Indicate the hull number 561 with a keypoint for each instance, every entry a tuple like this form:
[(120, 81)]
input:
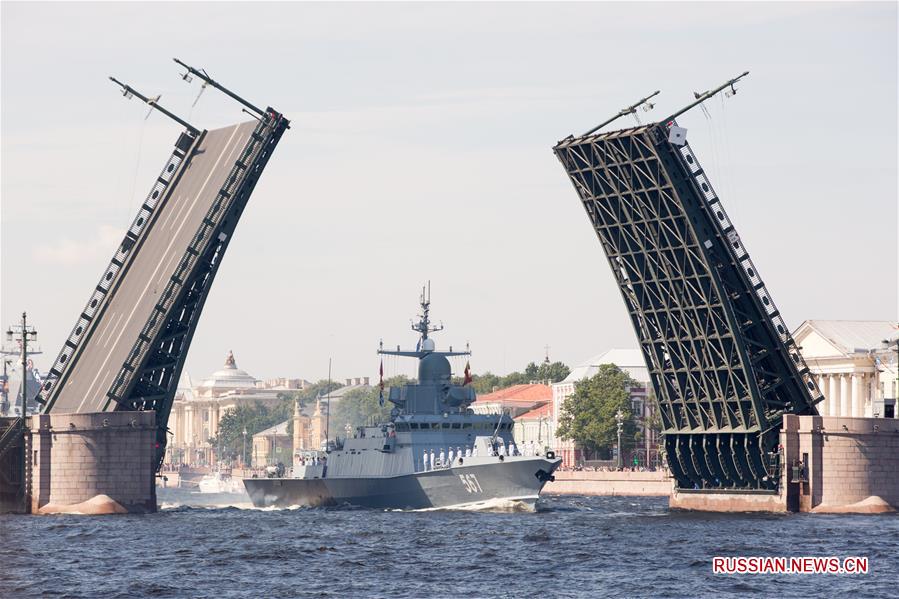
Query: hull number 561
[(471, 483)]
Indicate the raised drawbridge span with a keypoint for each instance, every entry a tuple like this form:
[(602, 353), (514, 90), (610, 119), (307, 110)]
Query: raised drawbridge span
[(128, 346), (723, 365)]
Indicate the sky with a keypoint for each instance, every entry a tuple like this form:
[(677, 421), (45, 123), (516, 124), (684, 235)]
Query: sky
[(421, 150)]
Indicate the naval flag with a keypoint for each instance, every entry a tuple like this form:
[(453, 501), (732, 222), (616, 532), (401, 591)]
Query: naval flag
[(467, 374), (381, 385)]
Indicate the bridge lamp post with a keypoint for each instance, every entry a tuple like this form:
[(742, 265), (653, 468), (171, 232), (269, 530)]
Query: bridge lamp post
[(619, 419), (243, 456), (23, 333)]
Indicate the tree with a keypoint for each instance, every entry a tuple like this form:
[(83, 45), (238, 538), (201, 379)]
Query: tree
[(488, 382), (484, 383), (554, 372), (230, 438), (361, 406), (588, 414)]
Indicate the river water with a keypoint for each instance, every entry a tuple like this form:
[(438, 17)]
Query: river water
[(569, 547)]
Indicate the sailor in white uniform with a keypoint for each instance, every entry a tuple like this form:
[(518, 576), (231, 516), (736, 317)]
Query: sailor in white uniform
[(442, 459), (468, 452), (432, 460), (512, 449), (424, 460), (451, 456)]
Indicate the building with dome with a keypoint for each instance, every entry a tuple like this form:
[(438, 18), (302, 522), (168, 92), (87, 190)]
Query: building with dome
[(197, 410)]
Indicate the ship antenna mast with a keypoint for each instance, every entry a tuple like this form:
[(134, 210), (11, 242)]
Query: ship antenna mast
[(423, 326)]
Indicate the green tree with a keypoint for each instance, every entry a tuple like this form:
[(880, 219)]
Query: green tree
[(358, 407), (553, 372), (484, 383), (229, 442), (588, 414), (488, 382)]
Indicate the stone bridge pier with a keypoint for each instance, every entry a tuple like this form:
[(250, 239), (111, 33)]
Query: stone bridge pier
[(105, 459)]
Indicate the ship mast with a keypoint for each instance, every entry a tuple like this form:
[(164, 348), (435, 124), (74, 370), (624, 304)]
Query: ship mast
[(423, 326)]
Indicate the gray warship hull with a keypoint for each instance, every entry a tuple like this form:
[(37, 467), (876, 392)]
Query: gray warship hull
[(515, 479)]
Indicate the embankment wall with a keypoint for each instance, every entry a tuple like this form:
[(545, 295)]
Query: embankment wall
[(645, 484)]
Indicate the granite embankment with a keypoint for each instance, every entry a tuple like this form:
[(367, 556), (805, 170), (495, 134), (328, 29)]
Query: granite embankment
[(600, 483)]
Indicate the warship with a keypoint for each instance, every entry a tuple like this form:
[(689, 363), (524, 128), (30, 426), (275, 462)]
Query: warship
[(434, 452)]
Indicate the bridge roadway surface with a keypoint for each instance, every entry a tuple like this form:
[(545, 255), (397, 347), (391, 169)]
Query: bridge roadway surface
[(101, 357)]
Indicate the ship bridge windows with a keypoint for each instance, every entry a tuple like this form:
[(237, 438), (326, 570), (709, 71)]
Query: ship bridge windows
[(457, 425), (466, 425), (413, 425)]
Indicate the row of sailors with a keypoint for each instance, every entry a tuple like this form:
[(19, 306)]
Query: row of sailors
[(431, 461)]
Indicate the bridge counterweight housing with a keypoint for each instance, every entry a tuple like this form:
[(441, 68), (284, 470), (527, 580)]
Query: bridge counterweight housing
[(723, 365), (129, 345)]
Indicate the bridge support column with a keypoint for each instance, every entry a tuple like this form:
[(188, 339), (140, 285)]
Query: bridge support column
[(94, 463)]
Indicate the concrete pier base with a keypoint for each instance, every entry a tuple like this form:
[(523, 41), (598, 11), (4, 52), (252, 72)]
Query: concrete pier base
[(610, 484), (727, 502), (830, 465), (75, 458)]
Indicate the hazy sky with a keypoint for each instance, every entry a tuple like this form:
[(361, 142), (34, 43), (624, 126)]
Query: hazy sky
[(421, 149)]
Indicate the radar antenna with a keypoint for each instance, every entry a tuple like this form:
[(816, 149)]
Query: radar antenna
[(424, 326)]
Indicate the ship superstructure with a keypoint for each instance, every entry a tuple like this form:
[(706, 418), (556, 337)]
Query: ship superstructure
[(433, 452)]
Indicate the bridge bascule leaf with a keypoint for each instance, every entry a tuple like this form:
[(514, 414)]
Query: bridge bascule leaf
[(129, 344), (723, 364)]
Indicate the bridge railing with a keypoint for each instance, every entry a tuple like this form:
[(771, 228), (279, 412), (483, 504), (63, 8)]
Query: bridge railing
[(195, 252), (723, 222), (111, 275)]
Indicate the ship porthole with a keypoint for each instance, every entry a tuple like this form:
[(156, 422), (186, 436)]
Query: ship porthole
[(550, 455)]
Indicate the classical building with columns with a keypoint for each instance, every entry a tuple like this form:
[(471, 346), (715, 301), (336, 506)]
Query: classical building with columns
[(855, 363), (196, 411)]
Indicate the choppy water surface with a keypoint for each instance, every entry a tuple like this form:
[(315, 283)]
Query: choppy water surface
[(571, 547)]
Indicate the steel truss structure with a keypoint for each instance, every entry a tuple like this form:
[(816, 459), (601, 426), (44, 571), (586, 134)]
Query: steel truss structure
[(723, 364), (148, 378)]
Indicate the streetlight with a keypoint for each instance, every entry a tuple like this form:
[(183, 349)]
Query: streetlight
[(619, 418), (243, 456), (22, 333)]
